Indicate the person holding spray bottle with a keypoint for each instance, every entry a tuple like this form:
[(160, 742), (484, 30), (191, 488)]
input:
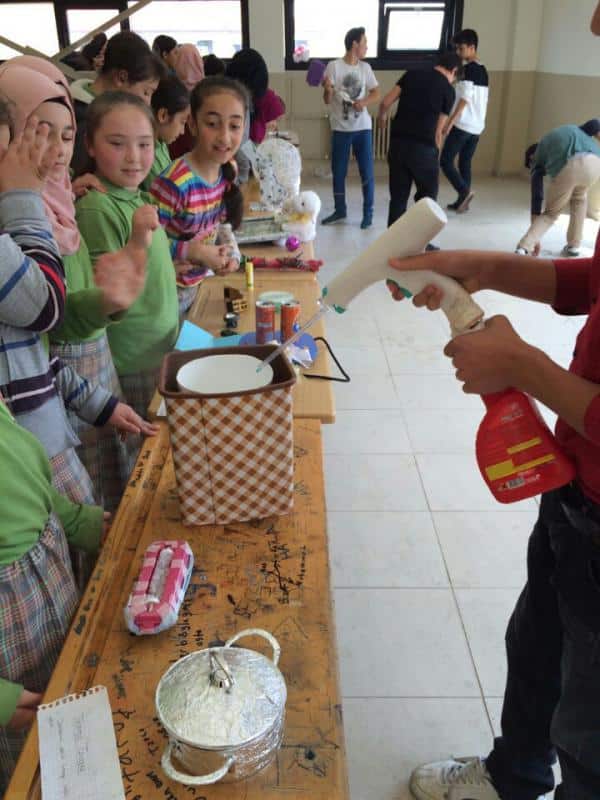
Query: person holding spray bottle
[(552, 696)]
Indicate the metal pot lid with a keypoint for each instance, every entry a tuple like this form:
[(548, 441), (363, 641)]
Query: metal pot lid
[(221, 697)]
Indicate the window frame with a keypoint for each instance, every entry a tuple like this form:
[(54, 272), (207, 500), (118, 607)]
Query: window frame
[(385, 59), (117, 6)]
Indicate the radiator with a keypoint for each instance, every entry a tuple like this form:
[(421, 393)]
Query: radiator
[(381, 137)]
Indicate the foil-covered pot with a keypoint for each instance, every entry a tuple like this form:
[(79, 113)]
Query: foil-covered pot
[(224, 711)]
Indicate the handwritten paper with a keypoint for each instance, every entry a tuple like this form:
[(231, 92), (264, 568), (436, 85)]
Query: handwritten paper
[(78, 750)]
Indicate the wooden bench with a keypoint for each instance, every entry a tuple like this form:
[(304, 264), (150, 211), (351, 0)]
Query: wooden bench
[(272, 573)]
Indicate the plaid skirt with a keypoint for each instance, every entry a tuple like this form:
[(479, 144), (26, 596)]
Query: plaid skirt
[(100, 451), (138, 390), (38, 598), (69, 477)]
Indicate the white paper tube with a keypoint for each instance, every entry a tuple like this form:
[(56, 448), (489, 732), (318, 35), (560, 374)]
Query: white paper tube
[(406, 237)]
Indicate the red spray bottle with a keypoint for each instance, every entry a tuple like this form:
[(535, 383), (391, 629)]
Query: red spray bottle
[(516, 451)]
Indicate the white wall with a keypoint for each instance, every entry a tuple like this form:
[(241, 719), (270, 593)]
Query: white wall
[(267, 32), (509, 32), (568, 46)]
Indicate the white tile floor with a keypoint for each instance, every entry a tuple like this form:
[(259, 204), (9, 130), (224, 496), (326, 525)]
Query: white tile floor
[(425, 565)]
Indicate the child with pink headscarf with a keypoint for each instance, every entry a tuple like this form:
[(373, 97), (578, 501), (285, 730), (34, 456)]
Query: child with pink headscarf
[(80, 356)]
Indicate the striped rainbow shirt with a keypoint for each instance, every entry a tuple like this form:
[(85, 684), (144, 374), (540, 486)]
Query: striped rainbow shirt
[(188, 207)]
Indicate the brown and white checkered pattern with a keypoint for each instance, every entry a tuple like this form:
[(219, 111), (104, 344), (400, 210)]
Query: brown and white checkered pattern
[(233, 456)]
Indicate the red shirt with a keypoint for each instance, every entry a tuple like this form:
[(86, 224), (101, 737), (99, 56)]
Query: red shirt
[(577, 292)]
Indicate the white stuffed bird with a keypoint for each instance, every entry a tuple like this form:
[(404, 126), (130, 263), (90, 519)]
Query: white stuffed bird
[(301, 214)]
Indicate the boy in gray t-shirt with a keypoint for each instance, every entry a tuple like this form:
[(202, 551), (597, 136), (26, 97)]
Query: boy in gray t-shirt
[(349, 86)]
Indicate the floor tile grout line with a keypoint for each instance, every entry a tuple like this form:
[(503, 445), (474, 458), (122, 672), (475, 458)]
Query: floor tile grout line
[(456, 604)]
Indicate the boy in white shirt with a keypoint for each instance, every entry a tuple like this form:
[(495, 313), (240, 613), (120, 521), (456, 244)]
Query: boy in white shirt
[(467, 120), (349, 86)]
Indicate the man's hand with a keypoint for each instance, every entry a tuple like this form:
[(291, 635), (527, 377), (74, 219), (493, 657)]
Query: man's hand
[(126, 420), (25, 711), (26, 161), (468, 274), (491, 359), (84, 183), (359, 105)]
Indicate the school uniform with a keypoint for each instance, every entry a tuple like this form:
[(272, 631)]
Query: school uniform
[(38, 595)]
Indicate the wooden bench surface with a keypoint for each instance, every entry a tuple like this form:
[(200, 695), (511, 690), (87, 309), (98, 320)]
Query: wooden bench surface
[(271, 574)]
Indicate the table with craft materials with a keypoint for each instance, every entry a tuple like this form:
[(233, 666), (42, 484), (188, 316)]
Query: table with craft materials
[(313, 399), (271, 573)]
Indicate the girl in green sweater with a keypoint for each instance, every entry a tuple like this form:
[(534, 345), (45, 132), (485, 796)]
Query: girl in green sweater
[(120, 140), (80, 341), (171, 106), (38, 595)]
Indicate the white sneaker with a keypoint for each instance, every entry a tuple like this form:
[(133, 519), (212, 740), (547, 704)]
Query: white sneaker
[(569, 251), (455, 779)]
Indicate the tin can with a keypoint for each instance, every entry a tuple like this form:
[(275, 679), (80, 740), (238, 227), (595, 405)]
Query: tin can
[(265, 322), (249, 267), (290, 319)]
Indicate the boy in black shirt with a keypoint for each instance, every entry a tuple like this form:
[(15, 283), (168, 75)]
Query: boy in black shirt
[(425, 99)]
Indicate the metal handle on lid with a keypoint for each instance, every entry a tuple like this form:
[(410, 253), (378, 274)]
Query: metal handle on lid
[(258, 632), (192, 780)]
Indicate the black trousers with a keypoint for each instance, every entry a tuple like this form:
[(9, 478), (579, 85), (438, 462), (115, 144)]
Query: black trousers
[(552, 697), (411, 161)]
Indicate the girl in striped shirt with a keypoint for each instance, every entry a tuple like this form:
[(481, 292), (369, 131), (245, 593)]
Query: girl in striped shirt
[(197, 192)]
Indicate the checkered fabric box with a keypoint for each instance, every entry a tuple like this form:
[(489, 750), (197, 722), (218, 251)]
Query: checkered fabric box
[(233, 453)]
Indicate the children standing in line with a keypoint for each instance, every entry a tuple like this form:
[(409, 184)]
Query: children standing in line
[(171, 106), (32, 301), (80, 340), (129, 66), (197, 191), (120, 138), (38, 595)]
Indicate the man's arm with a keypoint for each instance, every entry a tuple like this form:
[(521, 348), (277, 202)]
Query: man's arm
[(372, 97), (496, 357), (388, 101), (327, 90), (455, 116), (439, 130)]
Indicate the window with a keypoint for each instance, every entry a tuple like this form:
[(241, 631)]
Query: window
[(321, 26), (83, 20), (400, 35), (215, 26), (413, 27), (17, 26)]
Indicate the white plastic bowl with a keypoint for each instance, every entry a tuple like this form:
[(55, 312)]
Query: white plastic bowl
[(223, 374)]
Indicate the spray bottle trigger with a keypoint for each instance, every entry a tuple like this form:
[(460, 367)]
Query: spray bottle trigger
[(394, 284)]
